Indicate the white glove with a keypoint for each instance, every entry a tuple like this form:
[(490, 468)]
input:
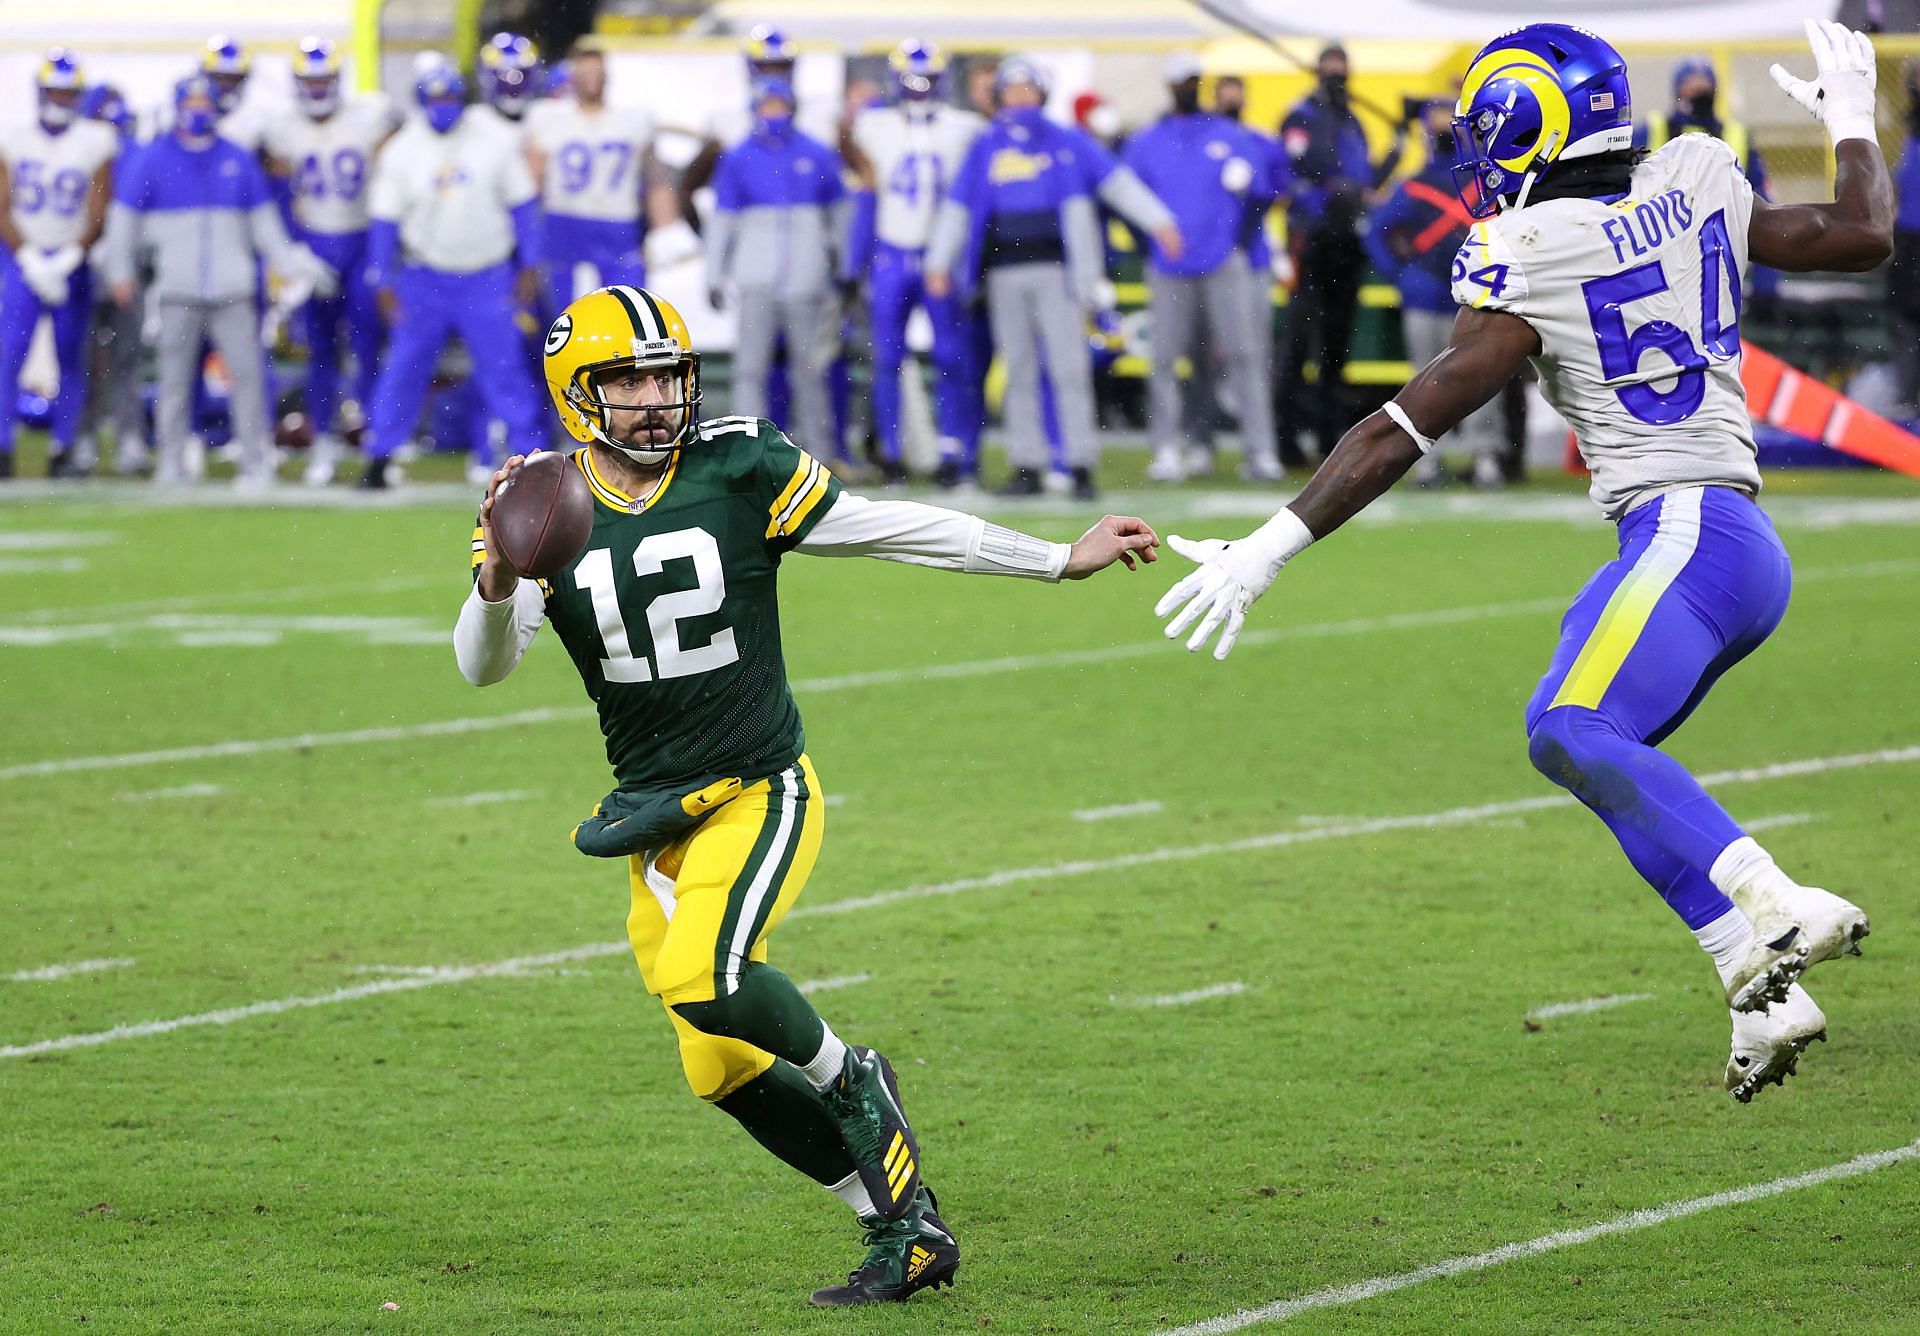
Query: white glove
[(1236, 175), (1841, 94), (64, 261), (1231, 578), (41, 271), (1102, 298)]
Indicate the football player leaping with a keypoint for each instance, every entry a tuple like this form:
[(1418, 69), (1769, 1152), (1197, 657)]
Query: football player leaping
[(1621, 278), (672, 619)]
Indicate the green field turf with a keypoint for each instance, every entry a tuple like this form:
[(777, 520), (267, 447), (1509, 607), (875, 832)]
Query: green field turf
[(509, 1146)]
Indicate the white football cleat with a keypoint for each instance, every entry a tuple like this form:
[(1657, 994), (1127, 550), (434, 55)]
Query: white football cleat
[(323, 457), (1833, 927), (1166, 467), (1767, 1045), (1778, 956), (1262, 468)]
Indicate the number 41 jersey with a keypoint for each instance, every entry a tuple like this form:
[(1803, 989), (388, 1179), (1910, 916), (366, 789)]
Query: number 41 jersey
[(671, 613), (1637, 305)]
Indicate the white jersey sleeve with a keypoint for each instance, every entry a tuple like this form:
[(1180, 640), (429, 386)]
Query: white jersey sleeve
[(51, 177), (1637, 305), (595, 162)]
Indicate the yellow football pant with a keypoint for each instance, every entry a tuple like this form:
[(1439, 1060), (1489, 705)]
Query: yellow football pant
[(704, 906)]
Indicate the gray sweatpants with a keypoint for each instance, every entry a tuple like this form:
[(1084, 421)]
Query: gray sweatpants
[(1223, 299), (113, 397), (1425, 334), (234, 330), (1036, 319), (811, 326)]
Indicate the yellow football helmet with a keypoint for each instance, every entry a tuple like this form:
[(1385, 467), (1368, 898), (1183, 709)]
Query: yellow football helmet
[(619, 327)]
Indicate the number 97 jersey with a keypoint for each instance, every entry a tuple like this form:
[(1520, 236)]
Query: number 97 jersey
[(1637, 305)]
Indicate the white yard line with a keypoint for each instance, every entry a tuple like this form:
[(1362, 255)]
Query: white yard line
[(1147, 808), (1454, 816), (1586, 1005), (52, 540), (1182, 999), (1343, 1295), (44, 565), (178, 791), (427, 977), (182, 602), (484, 799), (48, 973), (1776, 822), (1279, 839)]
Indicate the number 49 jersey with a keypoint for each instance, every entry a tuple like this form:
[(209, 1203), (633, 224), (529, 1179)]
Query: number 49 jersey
[(915, 157), (1637, 305), (330, 162), (671, 613)]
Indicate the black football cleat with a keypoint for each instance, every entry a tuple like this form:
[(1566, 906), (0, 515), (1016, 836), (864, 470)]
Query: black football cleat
[(893, 474), (6, 463), (903, 1258), (950, 475), (865, 1100), (66, 464), (1022, 482), (1083, 489), (375, 478)]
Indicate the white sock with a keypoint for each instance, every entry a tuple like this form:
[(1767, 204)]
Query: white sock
[(1727, 939), (854, 1193), (824, 1070), (1739, 863)]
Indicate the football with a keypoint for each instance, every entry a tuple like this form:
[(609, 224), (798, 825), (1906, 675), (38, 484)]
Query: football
[(542, 515)]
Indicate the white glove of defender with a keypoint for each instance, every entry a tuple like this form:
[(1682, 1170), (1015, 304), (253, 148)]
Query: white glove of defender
[(1231, 579), (1841, 93), (42, 272)]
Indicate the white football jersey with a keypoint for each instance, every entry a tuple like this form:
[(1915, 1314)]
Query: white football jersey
[(915, 158), (595, 159), (452, 194), (51, 176), (330, 162), (1637, 305)]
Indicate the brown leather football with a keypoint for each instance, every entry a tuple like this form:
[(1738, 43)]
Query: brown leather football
[(543, 515)]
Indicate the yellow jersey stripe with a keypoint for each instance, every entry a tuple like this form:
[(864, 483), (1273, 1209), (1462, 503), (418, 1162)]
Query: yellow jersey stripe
[(1627, 613), (808, 503), (801, 473)]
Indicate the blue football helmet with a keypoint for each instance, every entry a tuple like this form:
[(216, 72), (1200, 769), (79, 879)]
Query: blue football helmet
[(442, 93), (60, 85), (919, 70), (226, 64), (769, 52), (104, 102), (1537, 95), (316, 77), (510, 73)]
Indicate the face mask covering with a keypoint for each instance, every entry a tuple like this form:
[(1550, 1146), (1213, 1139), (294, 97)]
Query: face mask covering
[(443, 116), (1186, 99), (777, 125), (1030, 117), (1335, 87), (198, 122), (56, 115), (1700, 107)]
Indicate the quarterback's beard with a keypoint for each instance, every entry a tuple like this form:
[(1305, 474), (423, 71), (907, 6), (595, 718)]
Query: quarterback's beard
[(650, 423)]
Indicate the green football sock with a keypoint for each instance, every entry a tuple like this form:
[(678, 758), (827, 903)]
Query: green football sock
[(767, 1011), (783, 1112)]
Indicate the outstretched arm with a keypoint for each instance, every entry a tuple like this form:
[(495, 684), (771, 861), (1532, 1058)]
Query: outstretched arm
[(1855, 232), (1487, 350), (923, 535)]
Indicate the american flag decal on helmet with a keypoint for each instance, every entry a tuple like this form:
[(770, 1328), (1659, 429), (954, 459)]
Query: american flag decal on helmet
[(1600, 102)]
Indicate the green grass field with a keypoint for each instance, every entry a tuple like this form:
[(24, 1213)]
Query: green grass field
[(506, 1145)]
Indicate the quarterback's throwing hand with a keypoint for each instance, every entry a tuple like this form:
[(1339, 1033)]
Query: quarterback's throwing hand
[(496, 578), (1114, 538)]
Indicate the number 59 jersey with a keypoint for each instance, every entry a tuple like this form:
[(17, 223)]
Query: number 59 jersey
[(672, 617), (1637, 305)]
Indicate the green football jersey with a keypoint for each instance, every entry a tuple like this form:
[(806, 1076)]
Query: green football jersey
[(672, 615)]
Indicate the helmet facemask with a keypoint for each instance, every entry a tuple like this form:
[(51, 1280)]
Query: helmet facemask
[(588, 395)]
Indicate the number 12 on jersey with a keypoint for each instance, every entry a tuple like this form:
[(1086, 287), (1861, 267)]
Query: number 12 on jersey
[(594, 574), (1622, 350)]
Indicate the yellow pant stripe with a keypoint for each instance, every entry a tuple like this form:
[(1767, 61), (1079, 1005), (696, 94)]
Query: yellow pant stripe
[(1627, 613)]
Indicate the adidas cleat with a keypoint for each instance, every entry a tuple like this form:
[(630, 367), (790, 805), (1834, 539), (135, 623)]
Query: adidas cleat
[(865, 1100), (903, 1257), (1767, 1046)]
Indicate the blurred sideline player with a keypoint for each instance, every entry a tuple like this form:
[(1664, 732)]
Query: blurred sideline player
[(56, 178), (912, 150), (325, 151), (455, 244), (1621, 275), (593, 163), (228, 66), (113, 398), (769, 55), (509, 71), (671, 617)]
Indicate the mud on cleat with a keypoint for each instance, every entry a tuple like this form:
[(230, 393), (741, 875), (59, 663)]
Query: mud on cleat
[(1833, 927), (1767, 1045), (903, 1257), (1778, 956), (865, 1100)]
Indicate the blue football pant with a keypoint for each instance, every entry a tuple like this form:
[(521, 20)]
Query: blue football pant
[(895, 285), (353, 312), (479, 308), (586, 253), (1700, 583), (20, 312)]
